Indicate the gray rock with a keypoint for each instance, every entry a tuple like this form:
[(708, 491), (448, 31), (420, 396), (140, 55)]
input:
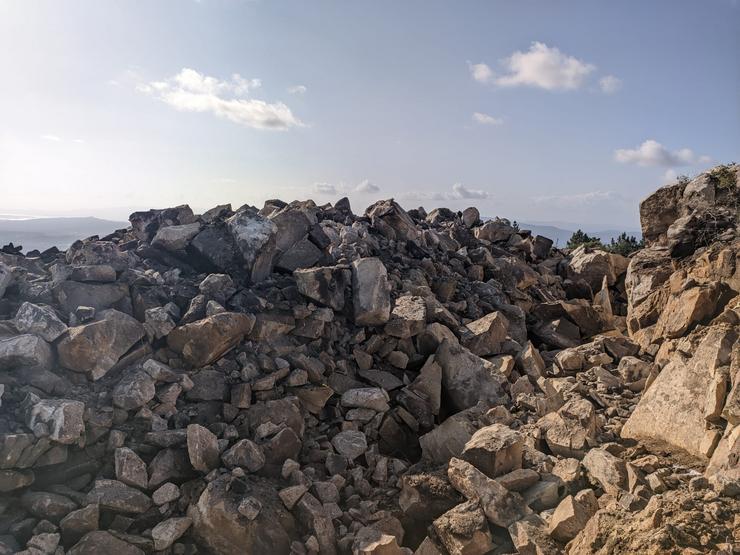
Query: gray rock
[(350, 443), (39, 320), (370, 292)]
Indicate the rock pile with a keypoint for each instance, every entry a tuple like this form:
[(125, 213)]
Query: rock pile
[(300, 379)]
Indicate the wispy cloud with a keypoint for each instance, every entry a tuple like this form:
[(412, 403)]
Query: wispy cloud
[(588, 198), (458, 192), (191, 91), (367, 186), (480, 72), (52, 138), (610, 84), (542, 67), (652, 153), (485, 119), (325, 189), (364, 186), (297, 89)]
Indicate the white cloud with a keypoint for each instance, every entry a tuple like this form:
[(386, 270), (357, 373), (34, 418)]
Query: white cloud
[(459, 192), (545, 68), (485, 119), (588, 198), (191, 91), (705, 159), (297, 89), (610, 84), (481, 72), (367, 186), (324, 189), (652, 153), (50, 137), (542, 67)]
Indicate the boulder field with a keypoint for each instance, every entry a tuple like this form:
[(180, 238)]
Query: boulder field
[(301, 379)]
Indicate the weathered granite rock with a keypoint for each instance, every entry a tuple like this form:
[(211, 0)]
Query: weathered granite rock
[(494, 450), (327, 285), (25, 351)]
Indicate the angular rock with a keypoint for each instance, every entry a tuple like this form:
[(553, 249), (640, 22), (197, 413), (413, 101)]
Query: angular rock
[(204, 341), (116, 496), (484, 336), (96, 347), (169, 531), (572, 514), (39, 320), (202, 448), (25, 351), (606, 470), (246, 454), (175, 238), (135, 390), (62, 418), (130, 469), (501, 507), (408, 317), (463, 530), (350, 443), (324, 285), (370, 292), (255, 237), (100, 541), (494, 450)]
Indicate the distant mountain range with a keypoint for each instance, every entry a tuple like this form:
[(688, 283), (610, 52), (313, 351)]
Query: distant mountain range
[(42, 233)]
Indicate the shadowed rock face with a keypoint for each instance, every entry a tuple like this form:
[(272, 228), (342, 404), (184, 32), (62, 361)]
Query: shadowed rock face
[(301, 379)]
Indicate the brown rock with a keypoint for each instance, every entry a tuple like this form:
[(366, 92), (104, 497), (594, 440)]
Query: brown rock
[(205, 341)]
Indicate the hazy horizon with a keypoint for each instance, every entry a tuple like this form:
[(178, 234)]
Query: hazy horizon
[(530, 111)]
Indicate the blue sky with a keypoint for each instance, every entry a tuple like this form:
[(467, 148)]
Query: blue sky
[(536, 111)]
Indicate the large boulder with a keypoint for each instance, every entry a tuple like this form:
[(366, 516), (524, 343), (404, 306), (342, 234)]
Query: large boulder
[(96, 347), (146, 224), (220, 528), (682, 388), (255, 237), (205, 341), (467, 378), (591, 265), (326, 285), (370, 292), (39, 320)]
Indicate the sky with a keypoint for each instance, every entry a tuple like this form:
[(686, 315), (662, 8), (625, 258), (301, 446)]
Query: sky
[(538, 111)]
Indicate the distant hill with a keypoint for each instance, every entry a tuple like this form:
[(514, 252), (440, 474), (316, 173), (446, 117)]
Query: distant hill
[(42, 233), (561, 235)]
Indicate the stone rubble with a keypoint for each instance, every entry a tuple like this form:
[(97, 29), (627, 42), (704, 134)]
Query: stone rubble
[(304, 380)]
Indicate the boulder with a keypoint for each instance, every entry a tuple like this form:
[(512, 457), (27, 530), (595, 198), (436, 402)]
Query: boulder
[(100, 541), (205, 341), (134, 390), (202, 448), (326, 285), (169, 531), (220, 526), (572, 514), (370, 292), (146, 224), (39, 320), (501, 506), (175, 238), (467, 378), (130, 469), (681, 388), (408, 317), (62, 419), (484, 336), (25, 351), (100, 296), (116, 496), (494, 450), (463, 530), (255, 238), (96, 347), (606, 470), (591, 265)]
